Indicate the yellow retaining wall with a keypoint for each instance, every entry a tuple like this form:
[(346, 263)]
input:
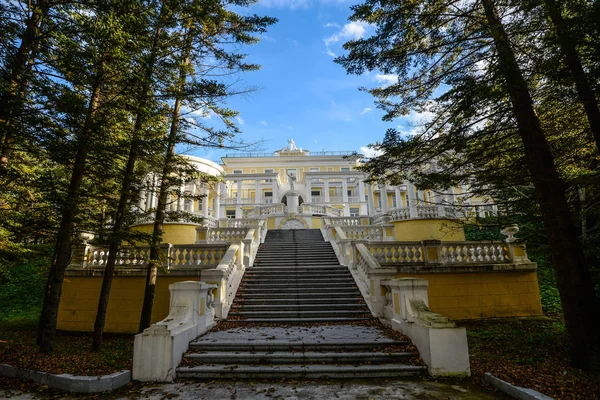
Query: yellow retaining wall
[(428, 229), (483, 295), (173, 233), (316, 223), (79, 302)]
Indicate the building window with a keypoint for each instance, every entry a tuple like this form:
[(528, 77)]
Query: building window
[(394, 201), (269, 171), (230, 214), (315, 169), (187, 205), (349, 192), (345, 169), (354, 211), (238, 171), (269, 197)]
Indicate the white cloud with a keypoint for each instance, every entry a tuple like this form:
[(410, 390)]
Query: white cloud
[(386, 79), (331, 25), (293, 4), (370, 153), (295, 43), (330, 53), (414, 121), (350, 31), (264, 123), (203, 113), (240, 120), (288, 127), (366, 110)]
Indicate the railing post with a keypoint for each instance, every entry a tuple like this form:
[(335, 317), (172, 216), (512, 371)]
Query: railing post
[(202, 234), (431, 251)]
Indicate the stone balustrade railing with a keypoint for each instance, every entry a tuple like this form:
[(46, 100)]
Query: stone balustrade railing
[(266, 210), (227, 276), (400, 214), (444, 253), (159, 349), (442, 346), (369, 232), (220, 235), (241, 223), (346, 221), (320, 209), (173, 257), (180, 217)]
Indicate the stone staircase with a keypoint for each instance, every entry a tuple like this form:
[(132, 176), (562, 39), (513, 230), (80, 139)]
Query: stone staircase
[(287, 321), (296, 277)]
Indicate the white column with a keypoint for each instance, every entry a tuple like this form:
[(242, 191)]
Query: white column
[(308, 190), (238, 207), (205, 202), (345, 197), (384, 199), (361, 197), (275, 191), (258, 195), (440, 199), (217, 207), (326, 189), (412, 201), (142, 200), (371, 199), (180, 196)]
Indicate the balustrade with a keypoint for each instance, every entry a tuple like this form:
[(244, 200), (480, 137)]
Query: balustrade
[(397, 252), (427, 211), (400, 213), (320, 209), (474, 252), (363, 232), (196, 255)]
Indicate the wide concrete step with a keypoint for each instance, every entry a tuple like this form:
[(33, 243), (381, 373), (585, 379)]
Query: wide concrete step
[(299, 281), (300, 274), (291, 279), (298, 307), (283, 256), (306, 284), (206, 372), (308, 357), (297, 295), (307, 269), (308, 300), (298, 314), (292, 291), (298, 320), (296, 263), (296, 345)]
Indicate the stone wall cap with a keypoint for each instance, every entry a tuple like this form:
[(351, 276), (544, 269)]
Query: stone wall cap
[(406, 282)]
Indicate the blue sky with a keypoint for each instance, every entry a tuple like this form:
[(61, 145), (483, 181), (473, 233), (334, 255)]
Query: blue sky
[(304, 95)]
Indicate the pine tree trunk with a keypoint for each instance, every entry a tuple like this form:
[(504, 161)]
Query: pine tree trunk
[(146, 316), (11, 101), (126, 192), (62, 252), (574, 282), (585, 93)]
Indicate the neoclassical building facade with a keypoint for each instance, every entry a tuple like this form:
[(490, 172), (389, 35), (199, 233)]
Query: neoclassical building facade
[(309, 185)]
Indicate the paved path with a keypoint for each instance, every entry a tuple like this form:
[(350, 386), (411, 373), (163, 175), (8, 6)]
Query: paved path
[(297, 334), (335, 390)]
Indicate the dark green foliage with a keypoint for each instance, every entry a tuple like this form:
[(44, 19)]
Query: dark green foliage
[(22, 283)]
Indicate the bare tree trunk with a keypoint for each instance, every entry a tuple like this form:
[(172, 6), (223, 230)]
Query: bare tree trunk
[(62, 252), (126, 193), (11, 101), (585, 93), (146, 316), (574, 281)]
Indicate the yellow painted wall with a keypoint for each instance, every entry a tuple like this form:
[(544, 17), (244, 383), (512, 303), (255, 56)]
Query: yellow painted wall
[(173, 233), (427, 229), (316, 223), (483, 295), (271, 223), (79, 302)]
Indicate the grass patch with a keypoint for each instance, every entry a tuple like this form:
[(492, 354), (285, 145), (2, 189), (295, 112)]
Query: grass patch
[(528, 352)]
